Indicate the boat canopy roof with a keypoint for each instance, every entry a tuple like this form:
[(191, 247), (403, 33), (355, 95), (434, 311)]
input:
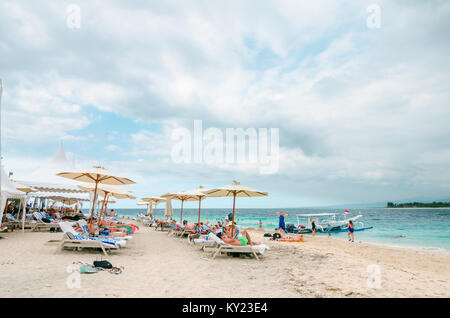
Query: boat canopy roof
[(317, 214)]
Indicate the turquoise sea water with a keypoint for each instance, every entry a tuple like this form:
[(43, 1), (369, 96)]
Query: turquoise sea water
[(423, 229)]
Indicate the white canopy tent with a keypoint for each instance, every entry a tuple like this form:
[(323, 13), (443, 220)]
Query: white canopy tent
[(45, 178), (8, 191)]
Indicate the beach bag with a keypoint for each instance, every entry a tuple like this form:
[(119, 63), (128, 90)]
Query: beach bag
[(46, 220), (267, 235), (104, 232), (103, 264), (276, 236)]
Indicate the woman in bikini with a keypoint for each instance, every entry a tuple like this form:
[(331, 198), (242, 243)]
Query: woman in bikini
[(351, 229)]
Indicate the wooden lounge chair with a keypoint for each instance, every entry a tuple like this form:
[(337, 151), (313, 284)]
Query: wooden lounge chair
[(223, 248), (162, 227), (179, 231), (41, 225), (13, 222)]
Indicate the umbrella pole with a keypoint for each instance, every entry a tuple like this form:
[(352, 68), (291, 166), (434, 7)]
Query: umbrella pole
[(105, 200), (181, 215), (199, 204), (106, 209), (93, 203), (232, 219), (101, 211), (100, 215)]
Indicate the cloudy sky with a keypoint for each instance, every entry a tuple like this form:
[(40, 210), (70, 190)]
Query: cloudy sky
[(363, 112)]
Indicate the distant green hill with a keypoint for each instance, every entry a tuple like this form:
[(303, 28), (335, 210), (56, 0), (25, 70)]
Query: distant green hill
[(419, 205)]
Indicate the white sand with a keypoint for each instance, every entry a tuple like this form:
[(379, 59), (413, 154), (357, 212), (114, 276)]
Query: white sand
[(160, 266)]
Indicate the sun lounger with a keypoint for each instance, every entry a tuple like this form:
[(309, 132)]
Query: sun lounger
[(177, 230), (223, 248), (15, 223), (203, 241), (162, 227), (147, 221), (75, 240), (40, 224)]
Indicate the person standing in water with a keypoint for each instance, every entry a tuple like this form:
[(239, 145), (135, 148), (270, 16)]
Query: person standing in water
[(351, 229), (329, 230), (260, 224), (313, 227), (281, 224)]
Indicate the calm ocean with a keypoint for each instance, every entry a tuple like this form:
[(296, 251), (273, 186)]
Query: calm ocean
[(423, 229)]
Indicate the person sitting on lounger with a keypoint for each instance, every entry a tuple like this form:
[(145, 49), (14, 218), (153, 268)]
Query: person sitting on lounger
[(188, 226), (243, 238)]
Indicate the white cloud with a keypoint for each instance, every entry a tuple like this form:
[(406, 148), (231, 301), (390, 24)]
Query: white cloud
[(352, 104)]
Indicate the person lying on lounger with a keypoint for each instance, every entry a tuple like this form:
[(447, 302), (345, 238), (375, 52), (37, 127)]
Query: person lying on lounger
[(115, 228), (113, 223)]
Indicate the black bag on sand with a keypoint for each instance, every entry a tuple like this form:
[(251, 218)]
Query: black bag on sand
[(102, 264), (276, 236), (267, 235)]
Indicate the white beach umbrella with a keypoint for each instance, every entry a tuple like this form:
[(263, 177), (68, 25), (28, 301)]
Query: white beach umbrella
[(234, 190), (168, 210), (150, 201), (148, 204), (196, 194), (96, 175), (110, 201), (23, 188), (107, 191), (64, 201)]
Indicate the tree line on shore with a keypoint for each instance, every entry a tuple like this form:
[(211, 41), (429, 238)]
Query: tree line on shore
[(419, 205)]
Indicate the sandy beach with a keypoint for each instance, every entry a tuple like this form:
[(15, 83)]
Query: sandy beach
[(160, 266)]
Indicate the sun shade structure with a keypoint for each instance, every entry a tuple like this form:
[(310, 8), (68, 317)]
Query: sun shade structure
[(235, 190), (96, 175), (65, 201), (150, 201), (107, 191), (168, 211), (45, 179), (108, 200), (59, 196), (196, 194), (8, 191), (27, 190), (22, 187)]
